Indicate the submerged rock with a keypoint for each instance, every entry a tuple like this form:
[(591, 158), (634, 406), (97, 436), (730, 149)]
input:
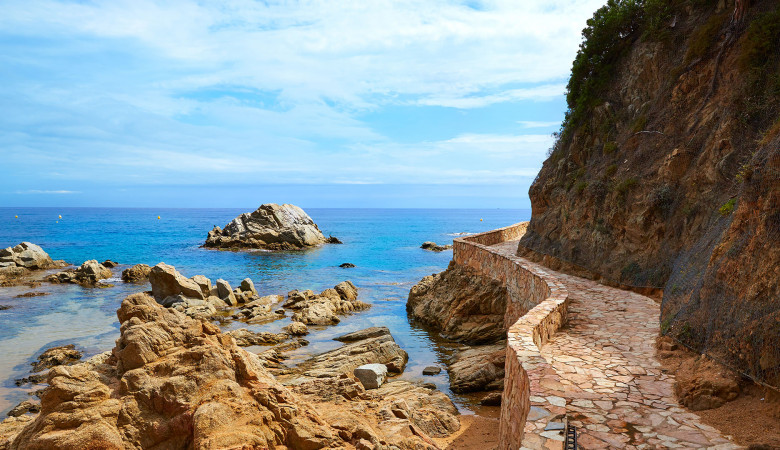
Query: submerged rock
[(346, 265), (136, 274), (431, 370), (27, 406), (270, 227), (57, 356)]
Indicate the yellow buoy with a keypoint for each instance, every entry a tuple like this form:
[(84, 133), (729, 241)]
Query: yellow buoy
[(60, 217), (16, 217), (480, 220), (158, 217)]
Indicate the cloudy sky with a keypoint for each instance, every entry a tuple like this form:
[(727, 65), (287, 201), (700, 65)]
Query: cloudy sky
[(235, 103)]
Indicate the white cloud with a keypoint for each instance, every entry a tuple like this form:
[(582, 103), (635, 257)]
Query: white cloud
[(537, 124)]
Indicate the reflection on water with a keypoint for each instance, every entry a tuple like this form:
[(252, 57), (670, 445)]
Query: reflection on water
[(383, 244)]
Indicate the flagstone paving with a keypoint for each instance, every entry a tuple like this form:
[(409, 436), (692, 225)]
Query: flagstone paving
[(604, 376)]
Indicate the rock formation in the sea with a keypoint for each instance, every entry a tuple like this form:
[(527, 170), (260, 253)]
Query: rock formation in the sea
[(18, 262), (270, 227), (462, 304), (666, 174), (434, 247), (88, 274), (260, 310), (175, 382), (326, 307), (136, 274)]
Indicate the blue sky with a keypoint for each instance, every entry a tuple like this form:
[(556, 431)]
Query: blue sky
[(238, 103)]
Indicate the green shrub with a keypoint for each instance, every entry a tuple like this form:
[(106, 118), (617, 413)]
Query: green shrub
[(728, 207), (625, 185), (761, 41), (705, 37), (609, 148), (611, 170), (580, 187), (639, 124)]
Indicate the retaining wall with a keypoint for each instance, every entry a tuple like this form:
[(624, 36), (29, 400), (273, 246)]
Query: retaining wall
[(536, 308)]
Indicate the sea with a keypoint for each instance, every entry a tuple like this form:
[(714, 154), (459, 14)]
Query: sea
[(383, 244)]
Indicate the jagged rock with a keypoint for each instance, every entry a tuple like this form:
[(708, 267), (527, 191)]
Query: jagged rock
[(363, 334), (200, 388), (346, 265), (434, 247), (371, 376), (36, 378), (4, 307), (204, 284), (167, 282), (245, 338), (296, 329), (225, 292), (271, 227), (324, 309), (259, 311), (248, 286), (109, 264), (378, 349), (136, 274), (478, 369), (462, 304), (26, 255), (55, 356), (88, 274), (27, 406)]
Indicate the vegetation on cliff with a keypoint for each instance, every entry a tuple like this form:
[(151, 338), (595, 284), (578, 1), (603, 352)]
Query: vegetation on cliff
[(666, 171)]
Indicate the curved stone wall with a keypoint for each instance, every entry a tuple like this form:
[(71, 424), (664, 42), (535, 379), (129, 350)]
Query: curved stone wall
[(536, 309)]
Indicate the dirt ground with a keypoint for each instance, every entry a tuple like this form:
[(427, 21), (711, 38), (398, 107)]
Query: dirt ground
[(752, 418), (477, 431)]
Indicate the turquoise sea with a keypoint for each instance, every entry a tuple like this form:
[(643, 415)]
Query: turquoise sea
[(382, 243)]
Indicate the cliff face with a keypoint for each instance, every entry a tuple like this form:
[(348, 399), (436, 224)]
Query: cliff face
[(668, 176)]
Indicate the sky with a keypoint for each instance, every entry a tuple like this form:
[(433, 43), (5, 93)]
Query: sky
[(365, 103)]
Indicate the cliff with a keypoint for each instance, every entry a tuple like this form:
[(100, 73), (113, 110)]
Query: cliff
[(666, 172)]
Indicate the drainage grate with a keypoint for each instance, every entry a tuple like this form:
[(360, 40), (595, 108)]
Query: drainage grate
[(571, 438)]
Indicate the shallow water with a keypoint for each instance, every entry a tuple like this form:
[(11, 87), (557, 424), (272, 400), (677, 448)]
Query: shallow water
[(382, 243)]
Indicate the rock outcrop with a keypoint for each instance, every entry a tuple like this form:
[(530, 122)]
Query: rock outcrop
[(480, 368), (175, 382), (26, 255), (88, 274), (270, 227), (668, 176), (136, 274), (326, 307), (371, 346), (434, 247), (245, 338), (462, 304)]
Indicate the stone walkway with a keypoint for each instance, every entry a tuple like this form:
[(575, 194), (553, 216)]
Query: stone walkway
[(604, 376)]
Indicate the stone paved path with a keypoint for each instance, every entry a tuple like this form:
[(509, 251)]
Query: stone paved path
[(606, 377)]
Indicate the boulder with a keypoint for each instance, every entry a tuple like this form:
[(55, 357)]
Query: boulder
[(347, 290), (259, 311), (270, 227), (296, 329), (26, 255), (109, 264), (248, 286), (136, 274), (479, 368), (371, 376), (91, 272), (203, 283), (346, 265), (167, 282), (434, 247), (225, 292), (431, 370)]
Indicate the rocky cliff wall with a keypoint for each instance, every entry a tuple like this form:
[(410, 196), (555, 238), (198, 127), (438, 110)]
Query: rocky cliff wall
[(668, 175)]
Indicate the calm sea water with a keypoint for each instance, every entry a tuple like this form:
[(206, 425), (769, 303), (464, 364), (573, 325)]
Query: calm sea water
[(382, 243)]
